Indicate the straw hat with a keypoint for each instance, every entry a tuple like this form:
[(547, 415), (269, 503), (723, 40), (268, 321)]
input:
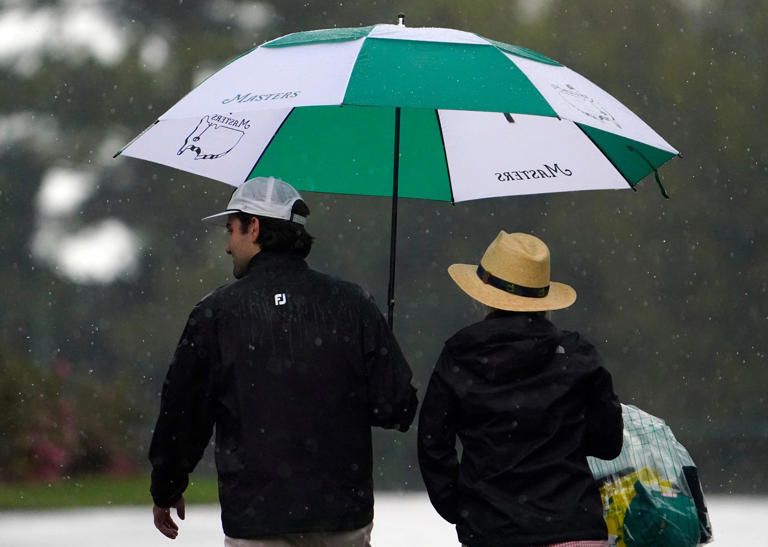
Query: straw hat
[(513, 275)]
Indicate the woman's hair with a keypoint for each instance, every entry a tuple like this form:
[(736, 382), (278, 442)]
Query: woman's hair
[(276, 234)]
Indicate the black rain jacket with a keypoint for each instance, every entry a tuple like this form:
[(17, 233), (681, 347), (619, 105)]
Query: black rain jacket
[(292, 367), (528, 403)]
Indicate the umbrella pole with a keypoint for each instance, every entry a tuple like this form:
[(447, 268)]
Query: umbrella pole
[(393, 229)]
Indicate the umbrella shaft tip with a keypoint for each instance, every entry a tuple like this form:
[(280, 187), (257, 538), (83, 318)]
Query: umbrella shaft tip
[(401, 19)]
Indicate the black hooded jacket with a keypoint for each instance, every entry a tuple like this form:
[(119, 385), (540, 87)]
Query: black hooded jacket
[(292, 367), (528, 403)]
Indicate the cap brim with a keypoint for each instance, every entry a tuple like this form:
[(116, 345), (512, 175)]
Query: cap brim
[(216, 219), (465, 276)]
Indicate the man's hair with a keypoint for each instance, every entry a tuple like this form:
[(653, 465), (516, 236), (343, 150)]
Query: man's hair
[(276, 234)]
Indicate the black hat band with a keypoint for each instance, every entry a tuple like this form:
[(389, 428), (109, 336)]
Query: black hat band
[(519, 290)]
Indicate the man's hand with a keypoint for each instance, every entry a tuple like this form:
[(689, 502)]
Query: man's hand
[(163, 520)]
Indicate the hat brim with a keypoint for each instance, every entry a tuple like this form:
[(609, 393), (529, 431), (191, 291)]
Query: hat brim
[(217, 218), (465, 276)]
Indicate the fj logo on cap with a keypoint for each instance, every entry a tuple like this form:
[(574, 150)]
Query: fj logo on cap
[(280, 299)]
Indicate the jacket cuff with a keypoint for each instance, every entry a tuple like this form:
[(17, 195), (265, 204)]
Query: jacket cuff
[(167, 487)]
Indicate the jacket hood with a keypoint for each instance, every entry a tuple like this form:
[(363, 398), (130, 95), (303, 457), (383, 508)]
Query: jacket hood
[(505, 344)]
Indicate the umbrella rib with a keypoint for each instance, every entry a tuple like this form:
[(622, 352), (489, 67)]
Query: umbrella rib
[(654, 170), (445, 155), (271, 140), (134, 139), (605, 155)]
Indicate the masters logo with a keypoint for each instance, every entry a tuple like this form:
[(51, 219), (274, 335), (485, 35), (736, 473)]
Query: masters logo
[(251, 97), (585, 104), (546, 172), (215, 136)]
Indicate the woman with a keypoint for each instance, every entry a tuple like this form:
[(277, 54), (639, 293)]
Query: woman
[(527, 401)]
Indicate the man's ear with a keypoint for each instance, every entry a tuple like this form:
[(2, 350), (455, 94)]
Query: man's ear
[(253, 229)]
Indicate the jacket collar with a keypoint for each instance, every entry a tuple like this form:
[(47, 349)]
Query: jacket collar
[(269, 260)]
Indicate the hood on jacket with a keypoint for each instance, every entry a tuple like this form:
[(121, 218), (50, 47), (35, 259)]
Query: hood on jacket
[(486, 347)]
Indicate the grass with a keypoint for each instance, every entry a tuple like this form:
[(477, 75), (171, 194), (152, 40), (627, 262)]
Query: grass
[(95, 491)]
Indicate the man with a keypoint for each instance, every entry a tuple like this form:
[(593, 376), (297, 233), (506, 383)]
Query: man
[(293, 367)]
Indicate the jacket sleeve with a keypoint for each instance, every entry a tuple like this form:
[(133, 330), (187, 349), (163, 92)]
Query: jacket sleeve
[(604, 434), (391, 397), (438, 459), (185, 423)]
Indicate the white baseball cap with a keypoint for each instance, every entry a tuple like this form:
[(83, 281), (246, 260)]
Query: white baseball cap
[(262, 196)]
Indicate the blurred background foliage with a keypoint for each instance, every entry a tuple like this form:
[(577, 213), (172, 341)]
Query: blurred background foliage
[(95, 291)]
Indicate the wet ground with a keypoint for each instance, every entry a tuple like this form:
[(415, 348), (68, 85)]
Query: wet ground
[(402, 520)]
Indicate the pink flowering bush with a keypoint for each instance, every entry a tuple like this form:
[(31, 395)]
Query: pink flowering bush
[(57, 422)]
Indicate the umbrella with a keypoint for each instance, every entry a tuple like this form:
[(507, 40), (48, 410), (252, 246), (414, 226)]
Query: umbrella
[(390, 110)]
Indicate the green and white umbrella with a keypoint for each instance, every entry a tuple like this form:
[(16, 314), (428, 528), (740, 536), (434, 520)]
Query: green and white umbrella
[(391, 110)]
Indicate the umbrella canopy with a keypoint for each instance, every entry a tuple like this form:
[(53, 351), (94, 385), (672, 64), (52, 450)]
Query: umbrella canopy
[(391, 110)]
